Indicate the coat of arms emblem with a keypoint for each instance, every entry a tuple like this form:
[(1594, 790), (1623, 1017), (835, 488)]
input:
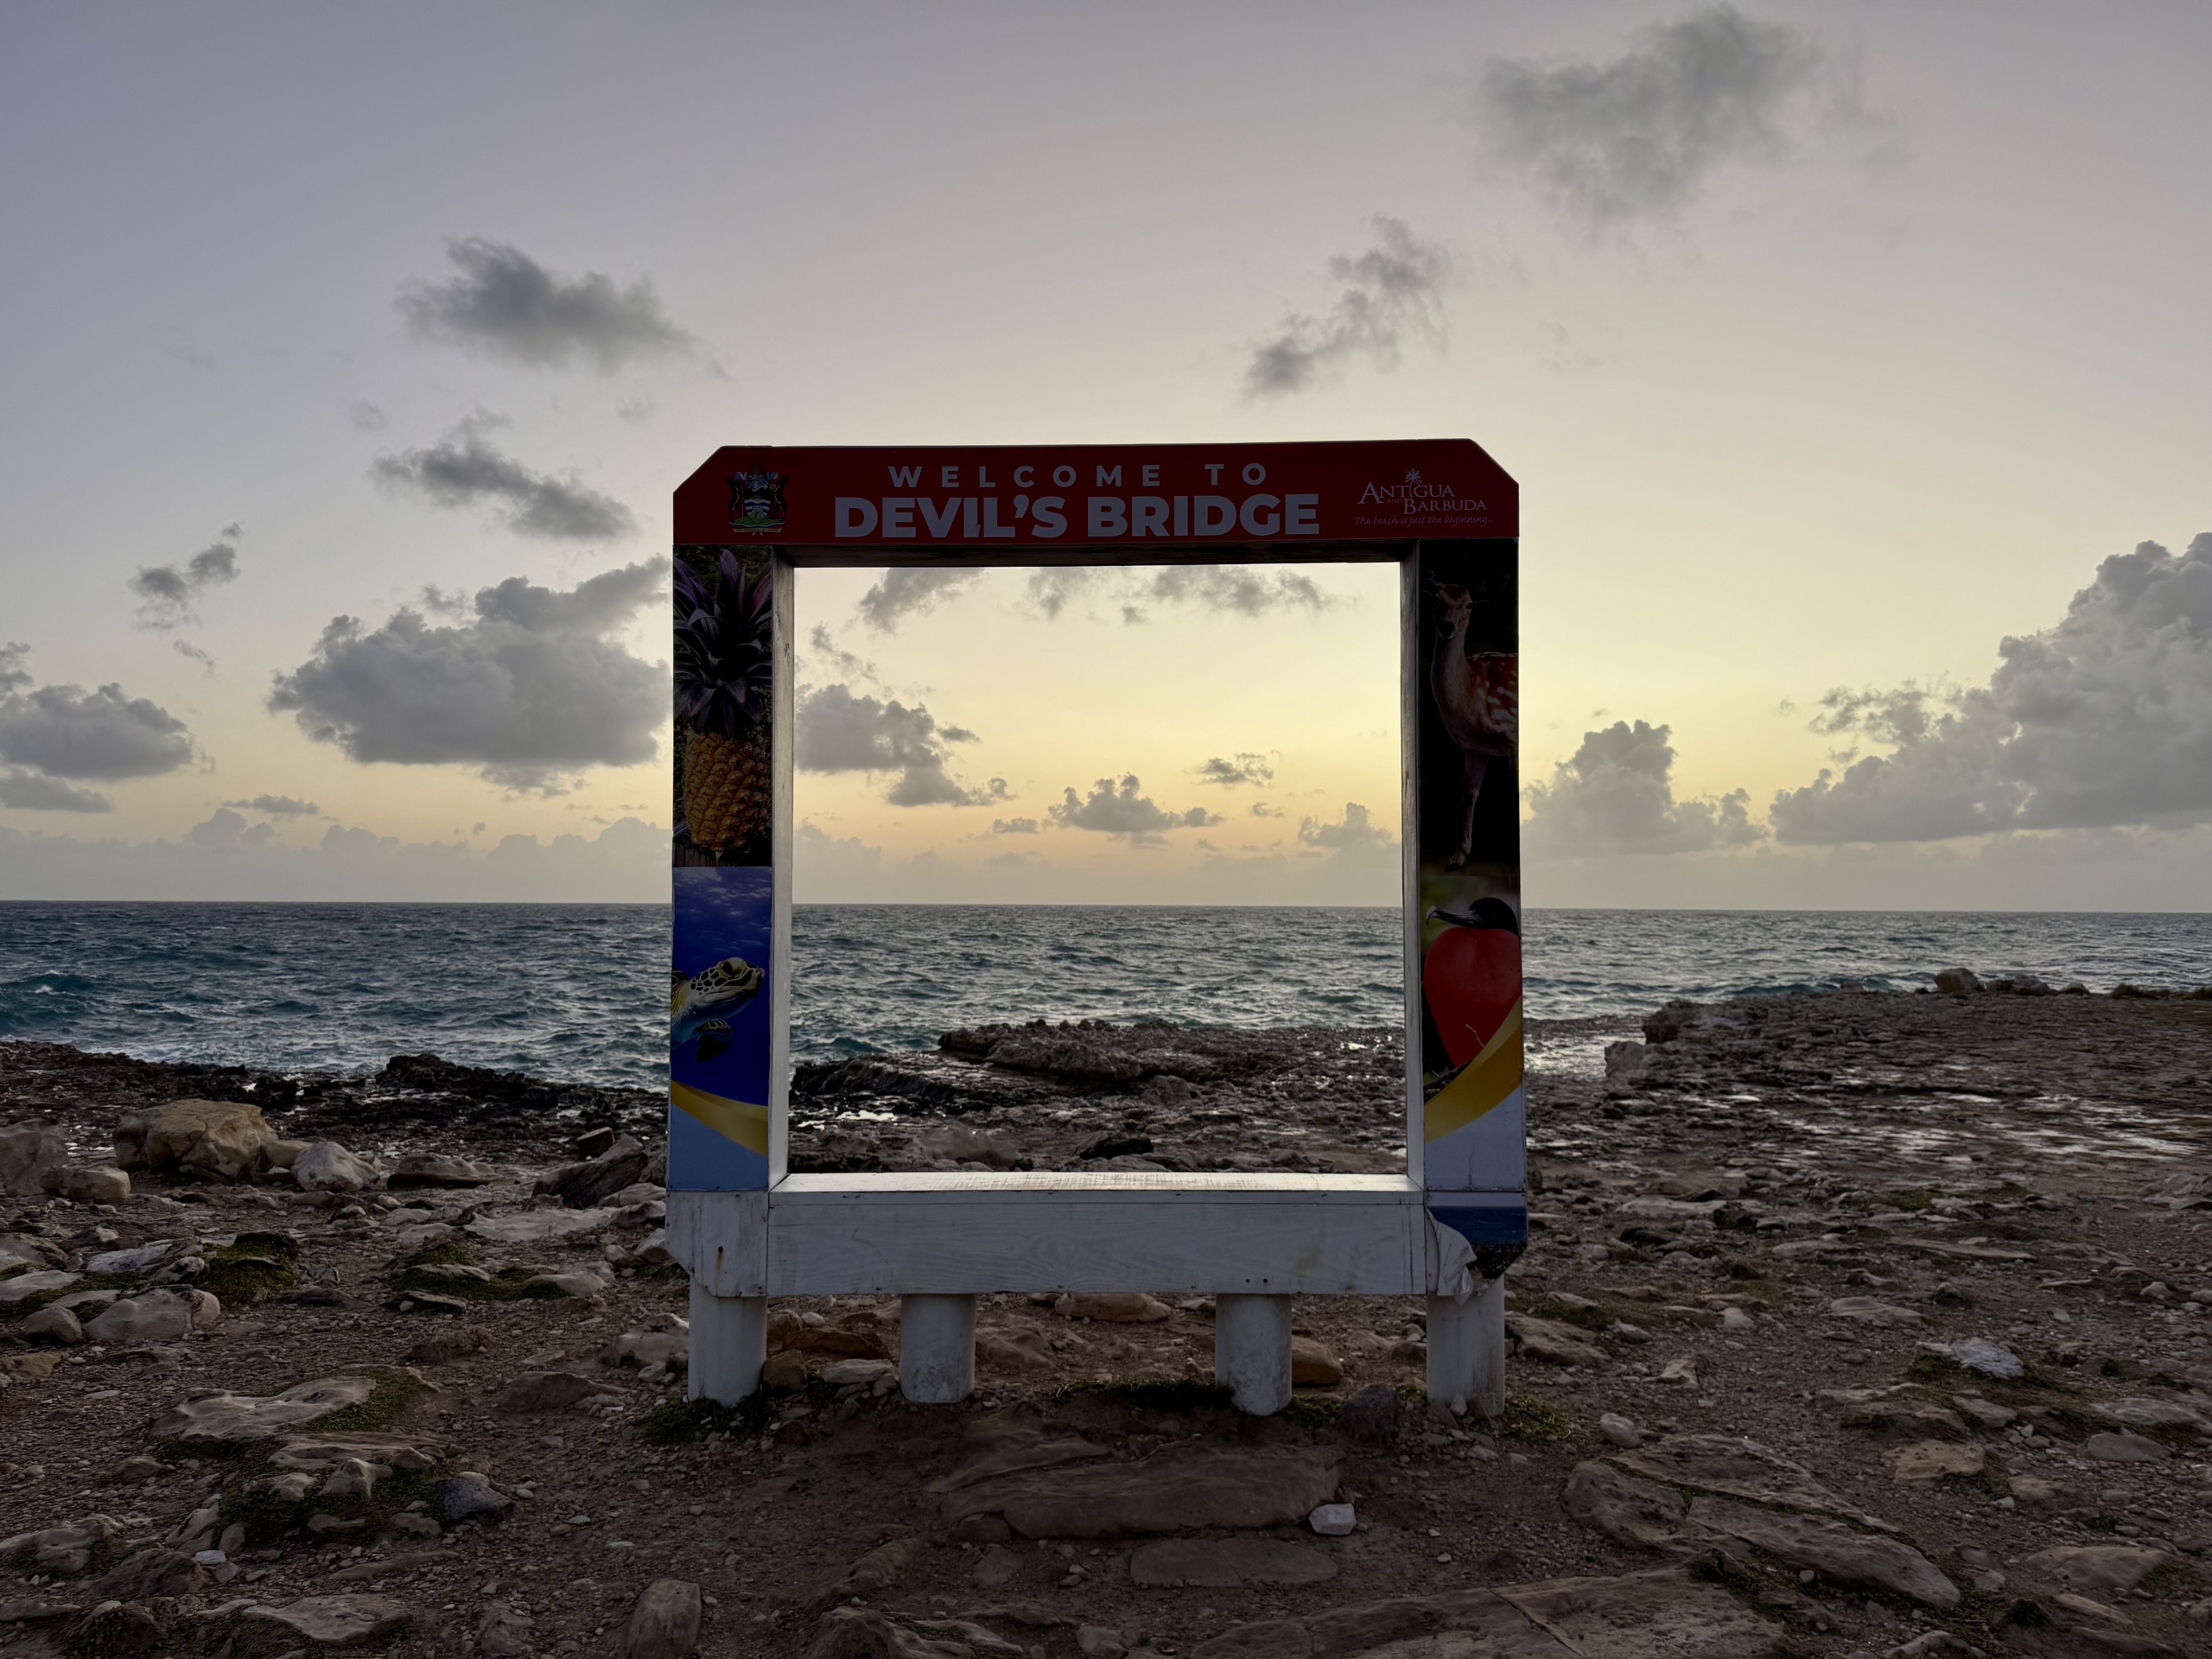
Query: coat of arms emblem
[(756, 498)]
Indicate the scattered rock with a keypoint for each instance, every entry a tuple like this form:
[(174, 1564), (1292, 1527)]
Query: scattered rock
[(64, 1551), (24, 1286), (1957, 982), (2156, 1414), (52, 1323), (31, 1154), (504, 1633), (215, 1140), (1114, 1307), (785, 1371), (589, 1184), (1551, 1343), (1978, 1354), (155, 1316), (2101, 1569), (90, 1184), (1099, 1642), (848, 1339), (223, 1420), (119, 1627), (1860, 1560), (663, 1623), (1620, 1431), (1641, 1514), (880, 1569), (1922, 1462), (996, 1567), (2125, 1448), (320, 1622), (1371, 1415), (326, 1166), (470, 1497), (1313, 1366), (1986, 1414), (423, 1170), (551, 1391), (445, 1345), (155, 1571), (1867, 1310), (540, 1226), (1333, 1520)]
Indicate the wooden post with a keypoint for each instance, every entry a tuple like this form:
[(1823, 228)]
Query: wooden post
[(1466, 1350), (1251, 1350), (729, 1338), (937, 1349)]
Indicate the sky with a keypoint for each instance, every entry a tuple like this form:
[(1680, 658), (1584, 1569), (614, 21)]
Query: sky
[(1850, 359)]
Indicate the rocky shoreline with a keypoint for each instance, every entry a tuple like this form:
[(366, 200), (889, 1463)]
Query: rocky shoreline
[(1852, 1323)]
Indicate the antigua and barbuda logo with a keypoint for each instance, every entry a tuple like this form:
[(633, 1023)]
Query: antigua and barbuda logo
[(756, 498)]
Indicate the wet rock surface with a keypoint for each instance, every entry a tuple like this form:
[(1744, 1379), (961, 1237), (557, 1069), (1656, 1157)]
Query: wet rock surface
[(1851, 1326)]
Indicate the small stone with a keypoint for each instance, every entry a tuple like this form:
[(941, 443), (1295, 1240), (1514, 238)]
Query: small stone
[(1620, 1431), (1978, 1354), (785, 1370), (1683, 1371), (876, 1374), (996, 1567), (663, 1623), (414, 1526), (326, 1166), (1333, 1520), (1923, 1462), (354, 1478), (469, 1497), (1867, 1310), (92, 1184), (132, 1471), (1313, 1366), (534, 1391), (320, 1622), (119, 1627), (2125, 1448), (1986, 1414), (442, 1346), (1114, 1307), (155, 1571), (52, 1323), (1099, 1642), (156, 1316), (1734, 1319), (2034, 1489)]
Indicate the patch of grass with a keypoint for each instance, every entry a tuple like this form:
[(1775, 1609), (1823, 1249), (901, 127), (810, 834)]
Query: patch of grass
[(1319, 1411), (253, 1267), (674, 1423), (1534, 1422), (2101, 1524), (1910, 1197), (1566, 1312), (509, 1284), (392, 1395)]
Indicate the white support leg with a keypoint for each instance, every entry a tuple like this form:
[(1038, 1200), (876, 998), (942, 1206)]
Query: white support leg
[(1466, 1350), (1251, 1350), (937, 1349), (729, 1338)]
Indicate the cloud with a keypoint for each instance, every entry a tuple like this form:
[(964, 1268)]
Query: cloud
[(1124, 811), (1642, 136), (2104, 720), (279, 806), (465, 470), (166, 591), (191, 652), (910, 591), (1245, 768), (1615, 794), (1357, 832), (1395, 289), (1261, 809), (846, 665), (531, 691), (226, 857), (32, 792), (839, 731), (1014, 826), (503, 304), (65, 732), (1235, 590), (365, 416)]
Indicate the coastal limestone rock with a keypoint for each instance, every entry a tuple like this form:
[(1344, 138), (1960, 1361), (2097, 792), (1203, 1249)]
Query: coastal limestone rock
[(550, 1391), (880, 1569), (1925, 1462), (1860, 1560), (63, 1551), (2156, 1414), (24, 1286), (540, 1226), (1552, 1343), (2095, 1569), (30, 1155), (1665, 1614), (441, 1347), (1333, 1520), (90, 1184), (229, 1420), (665, 1622), (1313, 1366), (1641, 1514), (589, 1184), (2125, 1448), (1181, 1488), (1114, 1307), (1979, 1354), (425, 1170), (470, 1497), (326, 1166), (1621, 1431), (120, 1629), (1957, 982), (1868, 1309), (139, 1259), (52, 1323), (213, 1140), (320, 1622), (154, 1571)]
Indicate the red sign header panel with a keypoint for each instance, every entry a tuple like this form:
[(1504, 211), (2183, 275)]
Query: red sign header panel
[(1041, 496)]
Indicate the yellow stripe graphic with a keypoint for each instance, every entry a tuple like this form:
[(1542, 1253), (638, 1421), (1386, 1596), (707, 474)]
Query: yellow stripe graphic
[(1487, 1081), (733, 1120)]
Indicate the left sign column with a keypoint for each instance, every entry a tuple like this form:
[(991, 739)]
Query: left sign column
[(724, 997)]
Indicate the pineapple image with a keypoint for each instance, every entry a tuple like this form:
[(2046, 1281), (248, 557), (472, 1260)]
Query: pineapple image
[(725, 669)]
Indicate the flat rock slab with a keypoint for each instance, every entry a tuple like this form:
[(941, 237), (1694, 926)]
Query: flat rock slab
[(1181, 1488), (222, 1420), (1553, 1343), (1736, 1468), (1225, 1563), (24, 1286), (2095, 1569), (1661, 1615), (1864, 1560), (1868, 1311), (1012, 1455), (552, 1391), (1925, 1461), (316, 1453), (535, 1226), (342, 1621)]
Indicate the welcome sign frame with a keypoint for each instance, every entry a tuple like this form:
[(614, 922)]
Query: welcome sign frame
[(747, 1230)]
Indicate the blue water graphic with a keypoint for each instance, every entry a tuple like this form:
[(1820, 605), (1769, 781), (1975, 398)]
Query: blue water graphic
[(579, 992)]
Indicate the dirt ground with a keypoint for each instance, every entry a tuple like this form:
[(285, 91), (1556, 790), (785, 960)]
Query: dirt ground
[(1752, 1230)]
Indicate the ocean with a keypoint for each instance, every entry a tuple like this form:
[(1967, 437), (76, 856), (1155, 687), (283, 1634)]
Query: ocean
[(578, 992)]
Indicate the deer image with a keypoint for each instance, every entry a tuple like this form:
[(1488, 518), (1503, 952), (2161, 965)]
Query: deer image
[(1479, 699)]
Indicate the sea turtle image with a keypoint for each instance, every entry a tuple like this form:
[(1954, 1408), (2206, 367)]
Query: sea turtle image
[(700, 1005)]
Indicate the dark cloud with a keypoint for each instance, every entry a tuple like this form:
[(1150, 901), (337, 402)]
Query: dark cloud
[(1014, 826), (66, 732), (1244, 768), (1395, 289), (1238, 589), (465, 470), (279, 806), (839, 731), (186, 649), (1641, 135), (1124, 810), (503, 304), (910, 591), (32, 792), (2102, 720), (531, 691), (166, 592), (1615, 794), (1357, 832), (845, 665), (1261, 809)]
